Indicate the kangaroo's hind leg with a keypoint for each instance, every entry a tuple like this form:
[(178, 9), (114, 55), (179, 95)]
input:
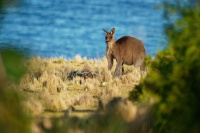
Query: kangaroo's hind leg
[(122, 68), (141, 65)]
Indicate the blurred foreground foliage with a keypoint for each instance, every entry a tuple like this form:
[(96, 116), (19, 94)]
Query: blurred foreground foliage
[(13, 118), (174, 75), (12, 63)]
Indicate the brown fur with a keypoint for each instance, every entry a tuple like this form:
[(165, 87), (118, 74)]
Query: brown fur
[(126, 50)]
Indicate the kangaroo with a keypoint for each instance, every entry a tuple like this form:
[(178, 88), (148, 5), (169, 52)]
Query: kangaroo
[(126, 50)]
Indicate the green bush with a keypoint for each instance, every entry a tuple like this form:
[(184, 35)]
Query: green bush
[(174, 74), (13, 118)]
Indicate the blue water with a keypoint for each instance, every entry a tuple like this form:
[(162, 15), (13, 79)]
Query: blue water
[(54, 28)]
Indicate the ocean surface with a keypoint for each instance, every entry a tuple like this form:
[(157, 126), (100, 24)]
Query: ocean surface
[(65, 28)]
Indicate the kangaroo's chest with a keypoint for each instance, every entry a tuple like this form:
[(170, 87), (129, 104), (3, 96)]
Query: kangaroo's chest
[(115, 55)]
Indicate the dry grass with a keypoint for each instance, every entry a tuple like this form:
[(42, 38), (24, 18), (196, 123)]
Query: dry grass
[(49, 93), (122, 108), (48, 89)]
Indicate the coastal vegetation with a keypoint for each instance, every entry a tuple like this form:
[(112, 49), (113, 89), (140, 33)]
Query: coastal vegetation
[(37, 94), (48, 92)]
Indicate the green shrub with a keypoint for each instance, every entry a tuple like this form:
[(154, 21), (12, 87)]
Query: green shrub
[(174, 74), (13, 118)]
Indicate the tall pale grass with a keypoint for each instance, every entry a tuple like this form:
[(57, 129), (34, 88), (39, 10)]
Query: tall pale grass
[(46, 82)]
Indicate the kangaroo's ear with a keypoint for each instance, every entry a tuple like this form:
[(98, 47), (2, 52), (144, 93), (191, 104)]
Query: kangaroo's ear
[(105, 31), (112, 31)]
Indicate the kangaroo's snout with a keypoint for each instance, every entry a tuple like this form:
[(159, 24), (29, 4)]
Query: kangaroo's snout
[(107, 39)]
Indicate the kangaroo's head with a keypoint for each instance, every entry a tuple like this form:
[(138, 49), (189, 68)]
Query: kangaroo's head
[(110, 36)]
